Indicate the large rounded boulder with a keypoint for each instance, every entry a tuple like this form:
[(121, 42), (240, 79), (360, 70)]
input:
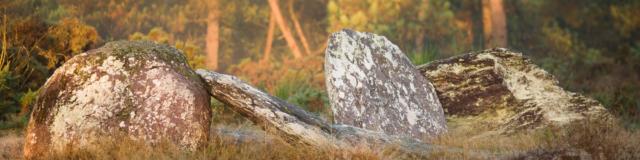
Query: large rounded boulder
[(139, 90)]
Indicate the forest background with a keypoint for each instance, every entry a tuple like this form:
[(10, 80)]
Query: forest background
[(592, 47)]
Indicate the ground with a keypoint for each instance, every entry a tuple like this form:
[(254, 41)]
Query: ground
[(601, 141)]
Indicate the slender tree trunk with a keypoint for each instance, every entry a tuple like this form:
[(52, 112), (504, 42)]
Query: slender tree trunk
[(419, 38), (213, 35), (269, 43), (296, 24), (499, 23), (291, 41), (486, 22), (494, 23)]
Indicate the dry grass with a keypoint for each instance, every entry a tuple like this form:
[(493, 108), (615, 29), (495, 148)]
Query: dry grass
[(601, 141), (11, 145), (598, 139), (219, 147)]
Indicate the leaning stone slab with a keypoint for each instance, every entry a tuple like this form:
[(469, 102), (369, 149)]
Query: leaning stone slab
[(274, 115), (298, 127), (505, 91), (141, 90), (371, 84)]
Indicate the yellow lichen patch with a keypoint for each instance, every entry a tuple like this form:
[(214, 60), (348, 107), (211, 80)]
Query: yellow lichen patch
[(143, 89), (509, 88)]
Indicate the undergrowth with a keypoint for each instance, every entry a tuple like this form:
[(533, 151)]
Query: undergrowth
[(597, 139)]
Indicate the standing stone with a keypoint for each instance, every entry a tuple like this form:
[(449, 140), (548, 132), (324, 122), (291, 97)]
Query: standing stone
[(373, 85), (299, 127), (139, 90)]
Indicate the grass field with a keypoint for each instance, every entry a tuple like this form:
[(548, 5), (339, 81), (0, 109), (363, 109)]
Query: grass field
[(601, 141)]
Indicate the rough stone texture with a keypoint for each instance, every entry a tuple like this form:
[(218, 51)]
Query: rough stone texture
[(141, 90), (505, 91), (241, 134), (373, 85), (274, 115), (296, 126)]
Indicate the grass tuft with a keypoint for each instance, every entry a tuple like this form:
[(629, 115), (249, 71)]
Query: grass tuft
[(591, 138)]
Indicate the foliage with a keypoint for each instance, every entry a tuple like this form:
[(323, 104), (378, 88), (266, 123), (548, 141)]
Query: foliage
[(117, 19), (424, 57), (591, 46), (31, 50), (194, 54), (294, 87), (68, 38), (588, 45), (300, 82), (403, 22)]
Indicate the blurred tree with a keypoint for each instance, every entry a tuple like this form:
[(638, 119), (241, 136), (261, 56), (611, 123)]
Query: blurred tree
[(299, 31), (412, 24), (31, 49), (592, 46), (495, 26), (468, 15), (190, 50), (587, 44), (275, 12), (69, 37), (213, 35), (269, 43)]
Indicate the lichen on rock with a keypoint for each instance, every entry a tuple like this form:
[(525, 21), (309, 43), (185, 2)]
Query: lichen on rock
[(505, 91), (371, 84), (297, 126), (142, 90)]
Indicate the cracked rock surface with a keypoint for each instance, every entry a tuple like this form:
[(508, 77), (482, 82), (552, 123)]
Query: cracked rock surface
[(141, 90), (371, 84), (506, 92)]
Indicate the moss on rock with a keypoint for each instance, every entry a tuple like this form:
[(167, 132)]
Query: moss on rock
[(506, 92), (141, 88)]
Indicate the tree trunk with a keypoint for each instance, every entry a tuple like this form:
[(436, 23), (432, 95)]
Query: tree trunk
[(419, 38), (269, 43), (296, 25), (494, 23), (213, 35), (291, 41)]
